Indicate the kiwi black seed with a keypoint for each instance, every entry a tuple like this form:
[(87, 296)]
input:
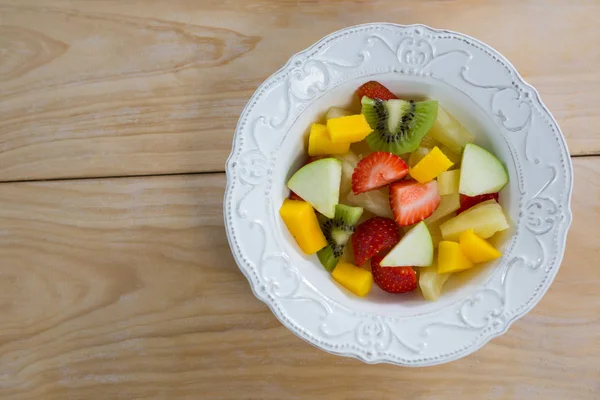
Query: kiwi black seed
[(337, 231), (398, 125)]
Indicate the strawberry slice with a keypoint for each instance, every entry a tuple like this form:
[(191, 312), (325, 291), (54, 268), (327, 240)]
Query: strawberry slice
[(377, 170), (294, 196), (393, 279), (467, 202), (412, 201), (375, 90), (372, 236)]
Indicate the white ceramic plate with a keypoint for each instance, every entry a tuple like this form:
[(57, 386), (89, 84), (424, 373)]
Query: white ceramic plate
[(484, 91)]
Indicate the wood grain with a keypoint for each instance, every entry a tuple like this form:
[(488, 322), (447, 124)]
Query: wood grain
[(126, 289), (112, 88)]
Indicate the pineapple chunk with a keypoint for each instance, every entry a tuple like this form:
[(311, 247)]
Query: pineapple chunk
[(430, 166), (301, 221), (376, 201), (448, 204), (456, 158), (431, 282), (336, 112), (429, 142), (450, 132), (349, 162), (350, 129), (448, 182), (319, 143), (434, 229), (359, 281), (451, 258), (485, 219), (477, 249)]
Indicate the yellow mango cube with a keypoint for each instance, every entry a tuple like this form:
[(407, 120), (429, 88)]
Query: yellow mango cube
[(319, 143), (448, 182), (350, 129), (430, 166), (451, 258), (476, 248), (301, 221), (357, 280)]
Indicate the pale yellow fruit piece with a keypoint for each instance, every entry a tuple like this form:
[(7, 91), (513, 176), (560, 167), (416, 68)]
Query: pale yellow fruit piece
[(450, 132), (431, 282), (375, 201), (417, 156), (485, 219), (448, 182), (448, 204), (336, 112), (434, 229), (349, 161), (456, 158)]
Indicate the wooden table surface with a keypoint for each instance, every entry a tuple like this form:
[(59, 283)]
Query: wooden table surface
[(116, 279)]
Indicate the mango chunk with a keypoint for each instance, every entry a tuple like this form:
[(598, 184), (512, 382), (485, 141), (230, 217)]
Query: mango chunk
[(301, 221), (319, 143), (451, 258), (350, 129), (476, 248), (357, 280), (448, 182), (430, 166)]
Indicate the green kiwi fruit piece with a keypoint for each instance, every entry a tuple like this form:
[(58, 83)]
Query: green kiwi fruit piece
[(398, 125), (337, 231)]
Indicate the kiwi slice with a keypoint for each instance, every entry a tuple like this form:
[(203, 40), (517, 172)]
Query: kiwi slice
[(398, 125), (337, 231)]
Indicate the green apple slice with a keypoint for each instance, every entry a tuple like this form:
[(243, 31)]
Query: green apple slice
[(415, 249), (318, 183), (480, 172)]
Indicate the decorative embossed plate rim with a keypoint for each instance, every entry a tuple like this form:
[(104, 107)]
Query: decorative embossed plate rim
[(543, 175)]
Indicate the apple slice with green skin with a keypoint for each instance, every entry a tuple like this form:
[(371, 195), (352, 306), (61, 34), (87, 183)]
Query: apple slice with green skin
[(319, 184), (415, 249), (480, 172)]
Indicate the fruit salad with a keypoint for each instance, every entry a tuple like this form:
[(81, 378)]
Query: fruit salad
[(396, 194)]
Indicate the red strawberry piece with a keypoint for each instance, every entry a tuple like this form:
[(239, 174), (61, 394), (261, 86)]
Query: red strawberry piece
[(372, 236), (294, 196), (377, 170), (412, 201), (467, 202), (311, 159), (393, 279), (375, 90)]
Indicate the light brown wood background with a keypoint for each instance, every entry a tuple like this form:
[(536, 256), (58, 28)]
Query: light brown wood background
[(116, 280)]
